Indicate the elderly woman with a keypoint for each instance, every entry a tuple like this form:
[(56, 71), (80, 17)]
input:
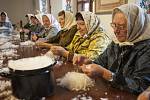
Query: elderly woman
[(51, 26), (5, 23), (68, 28), (90, 39), (125, 63), (28, 24), (67, 32), (37, 26), (34, 26)]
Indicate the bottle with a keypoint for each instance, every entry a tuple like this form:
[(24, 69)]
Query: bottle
[(22, 35), (29, 35), (21, 24)]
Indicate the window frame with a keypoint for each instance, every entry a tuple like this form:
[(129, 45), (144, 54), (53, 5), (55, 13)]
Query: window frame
[(82, 3)]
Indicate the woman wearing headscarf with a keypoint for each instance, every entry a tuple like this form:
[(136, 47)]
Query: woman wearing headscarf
[(28, 24), (38, 24), (39, 19), (90, 39), (67, 32), (126, 62), (5, 22), (33, 26), (51, 26), (38, 27)]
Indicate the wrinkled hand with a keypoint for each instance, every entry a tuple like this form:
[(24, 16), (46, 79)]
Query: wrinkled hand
[(34, 37), (94, 70), (58, 50), (80, 60), (144, 96)]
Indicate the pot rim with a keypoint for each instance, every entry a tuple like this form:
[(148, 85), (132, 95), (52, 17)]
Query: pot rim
[(31, 72)]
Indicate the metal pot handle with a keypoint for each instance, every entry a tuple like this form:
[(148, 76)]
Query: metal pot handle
[(5, 72)]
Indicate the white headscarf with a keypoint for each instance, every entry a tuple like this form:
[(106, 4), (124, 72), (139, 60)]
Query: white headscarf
[(39, 17), (10, 27), (91, 21), (138, 22), (53, 21), (7, 19), (69, 20), (29, 16)]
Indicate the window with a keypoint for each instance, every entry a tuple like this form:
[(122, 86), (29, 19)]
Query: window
[(68, 5), (45, 6), (84, 5)]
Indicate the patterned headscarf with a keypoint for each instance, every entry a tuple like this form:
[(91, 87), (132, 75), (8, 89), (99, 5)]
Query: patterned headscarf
[(138, 22), (39, 17), (29, 16), (53, 21), (91, 21), (69, 20)]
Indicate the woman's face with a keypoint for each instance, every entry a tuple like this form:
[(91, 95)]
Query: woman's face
[(61, 20), (46, 21), (33, 20), (37, 21), (119, 24), (81, 27), (3, 17)]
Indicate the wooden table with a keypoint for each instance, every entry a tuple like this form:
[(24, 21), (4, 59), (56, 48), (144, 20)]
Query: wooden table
[(101, 89)]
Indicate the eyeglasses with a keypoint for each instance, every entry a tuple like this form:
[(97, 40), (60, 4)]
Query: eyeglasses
[(118, 26)]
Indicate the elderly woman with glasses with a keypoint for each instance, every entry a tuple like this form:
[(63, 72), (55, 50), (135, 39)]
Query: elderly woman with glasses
[(126, 62)]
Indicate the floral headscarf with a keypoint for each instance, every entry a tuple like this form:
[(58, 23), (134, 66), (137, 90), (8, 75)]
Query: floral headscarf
[(138, 22), (91, 21), (69, 20)]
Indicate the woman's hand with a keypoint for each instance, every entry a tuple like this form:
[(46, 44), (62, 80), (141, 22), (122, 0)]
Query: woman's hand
[(34, 37), (58, 50), (94, 70), (80, 60)]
